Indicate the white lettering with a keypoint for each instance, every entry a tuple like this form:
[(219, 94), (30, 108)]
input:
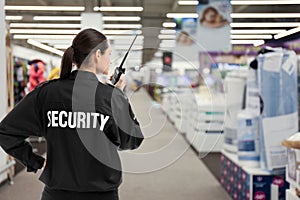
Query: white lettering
[(65, 119), (88, 120), (54, 118), (95, 115), (70, 120), (81, 120), (61, 124), (49, 118), (104, 119)]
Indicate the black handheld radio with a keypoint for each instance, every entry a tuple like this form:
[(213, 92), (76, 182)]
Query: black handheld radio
[(120, 70)]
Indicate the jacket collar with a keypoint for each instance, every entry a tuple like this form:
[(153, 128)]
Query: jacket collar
[(83, 74)]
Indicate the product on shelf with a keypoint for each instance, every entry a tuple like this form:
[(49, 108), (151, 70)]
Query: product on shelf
[(234, 84), (248, 138), (277, 84)]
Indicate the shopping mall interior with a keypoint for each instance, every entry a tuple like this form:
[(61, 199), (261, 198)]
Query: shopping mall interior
[(213, 85)]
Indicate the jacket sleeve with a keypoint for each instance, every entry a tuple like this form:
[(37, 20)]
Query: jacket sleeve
[(123, 128), (23, 121)]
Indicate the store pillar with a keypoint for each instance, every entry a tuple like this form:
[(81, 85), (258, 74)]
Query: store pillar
[(3, 74)]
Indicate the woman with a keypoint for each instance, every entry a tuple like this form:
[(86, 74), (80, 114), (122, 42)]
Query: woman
[(84, 122)]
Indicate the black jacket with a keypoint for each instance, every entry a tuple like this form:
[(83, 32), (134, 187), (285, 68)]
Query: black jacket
[(84, 122)]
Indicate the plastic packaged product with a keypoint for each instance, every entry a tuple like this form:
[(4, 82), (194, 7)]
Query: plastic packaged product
[(248, 138), (234, 84)]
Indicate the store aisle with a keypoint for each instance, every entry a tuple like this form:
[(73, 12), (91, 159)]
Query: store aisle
[(186, 179)]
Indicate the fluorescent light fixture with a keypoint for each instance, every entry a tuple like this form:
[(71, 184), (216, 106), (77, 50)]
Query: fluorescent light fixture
[(122, 32), (125, 47), (257, 31), (118, 9), (182, 15), (167, 31), (171, 42), (275, 2), (122, 37), (40, 25), (169, 24), (267, 24), (13, 17), (265, 15), (164, 45), (45, 47), (61, 46), (55, 42), (162, 36), (286, 33), (187, 3), (137, 26), (57, 37), (251, 36), (247, 41), (42, 31), (123, 18), (57, 18), (46, 8)]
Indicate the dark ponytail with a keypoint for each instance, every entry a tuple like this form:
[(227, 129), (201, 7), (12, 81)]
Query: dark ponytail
[(67, 63), (86, 42)]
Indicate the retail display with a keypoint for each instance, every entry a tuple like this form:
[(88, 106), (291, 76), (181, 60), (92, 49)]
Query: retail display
[(292, 169), (277, 83), (20, 80), (36, 73), (248, 183)]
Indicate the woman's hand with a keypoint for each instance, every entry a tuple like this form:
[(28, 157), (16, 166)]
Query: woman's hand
[(121, 83), (44, 164)]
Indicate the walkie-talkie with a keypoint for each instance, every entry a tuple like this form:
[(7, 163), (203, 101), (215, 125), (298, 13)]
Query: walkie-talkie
[(120, 70)]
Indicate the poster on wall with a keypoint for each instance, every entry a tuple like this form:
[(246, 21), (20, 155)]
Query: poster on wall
[(186, 47), (213, 25)]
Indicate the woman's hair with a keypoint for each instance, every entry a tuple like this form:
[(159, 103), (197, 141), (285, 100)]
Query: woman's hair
[(206, 10), (85, 42)]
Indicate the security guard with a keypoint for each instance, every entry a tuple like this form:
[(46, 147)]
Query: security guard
[(84, 122)]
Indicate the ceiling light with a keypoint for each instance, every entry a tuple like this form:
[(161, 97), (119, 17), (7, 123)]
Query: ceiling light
[(122, 32), (187, 3), (268, 24), (246, 41), (13, 17), (120, 9), (286, 33), (46, 8), (57, 18), (258, 31), (182, 15), (265, 15), (125, 47), (117, 37), (57, 37), (137, 26), (45, 47), (168, 31), (61, 46), (251, 37), (123, 18), (39, 25), (275, 2), (165, 45), (169, 24), (55, 42), (166, 36), (42, 31)]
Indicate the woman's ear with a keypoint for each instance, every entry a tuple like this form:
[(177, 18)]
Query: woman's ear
[(98, 54)]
